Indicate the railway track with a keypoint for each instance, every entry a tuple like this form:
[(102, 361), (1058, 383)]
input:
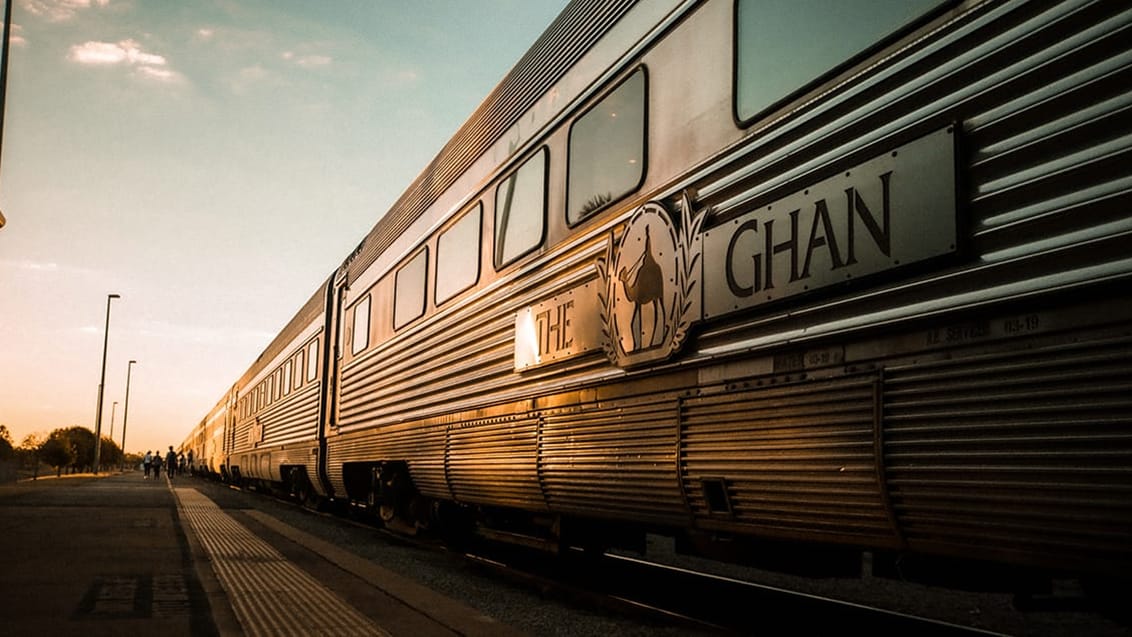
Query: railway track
[(702, 602)]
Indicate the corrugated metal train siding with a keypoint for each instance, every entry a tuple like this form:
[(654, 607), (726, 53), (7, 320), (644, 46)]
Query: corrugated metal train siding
[(293, 419), (495, 461), (795, 459), (614, 460), (1030, 450)]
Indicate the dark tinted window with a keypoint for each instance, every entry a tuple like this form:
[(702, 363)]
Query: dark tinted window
[(409, 290), (361, 327), (458, 256), (782, 45), (520, 210), (607, 150)]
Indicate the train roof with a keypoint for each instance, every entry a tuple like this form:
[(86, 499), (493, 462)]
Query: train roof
[(311, 310), (570, 36)]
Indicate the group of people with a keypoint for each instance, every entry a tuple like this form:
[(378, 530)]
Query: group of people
[(173, 463)]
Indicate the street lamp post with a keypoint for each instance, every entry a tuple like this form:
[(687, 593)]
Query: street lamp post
[(4, 74), (126, 409), (101, 383), (113, 410)]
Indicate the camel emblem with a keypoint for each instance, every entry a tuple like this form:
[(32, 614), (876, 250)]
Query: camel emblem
[(643, 284), (650, 294)]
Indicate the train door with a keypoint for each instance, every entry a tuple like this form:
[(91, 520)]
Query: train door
[(330, 361)]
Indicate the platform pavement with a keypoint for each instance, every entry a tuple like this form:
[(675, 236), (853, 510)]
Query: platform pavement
[(119, 555), (98, 555)]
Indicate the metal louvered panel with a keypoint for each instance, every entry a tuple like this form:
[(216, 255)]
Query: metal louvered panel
[(794, 459), (613, 460), (1030, 450), (494, 462)]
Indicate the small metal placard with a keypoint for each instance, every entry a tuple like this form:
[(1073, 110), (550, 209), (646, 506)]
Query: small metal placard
[(893, 210), (563, 326)]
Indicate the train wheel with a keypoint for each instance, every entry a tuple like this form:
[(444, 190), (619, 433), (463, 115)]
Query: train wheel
[(394, 506), (302, 489)]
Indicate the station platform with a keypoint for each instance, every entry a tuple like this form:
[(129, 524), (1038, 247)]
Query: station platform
[(118, 555)]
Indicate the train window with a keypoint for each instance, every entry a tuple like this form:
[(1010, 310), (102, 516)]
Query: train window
[(782, 45), (298, 371), (409, 290), (607, 150), (312, 361), (520, 210), (458, 256), (361, 327), (287, 377)]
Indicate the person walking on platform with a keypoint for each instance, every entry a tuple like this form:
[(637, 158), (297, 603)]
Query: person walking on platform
[(156, 465), (171, 462), (147, 463)]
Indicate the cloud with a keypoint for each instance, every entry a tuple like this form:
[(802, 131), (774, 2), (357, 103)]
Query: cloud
[(38, 267), (16, 37), (60, 10), (125, 53), (307, 61), (253, 78)]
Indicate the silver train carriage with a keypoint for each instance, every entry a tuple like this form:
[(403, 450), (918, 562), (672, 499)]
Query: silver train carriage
[(853, 277)]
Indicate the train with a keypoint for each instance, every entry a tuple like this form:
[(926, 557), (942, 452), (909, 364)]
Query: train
[(817, 286)]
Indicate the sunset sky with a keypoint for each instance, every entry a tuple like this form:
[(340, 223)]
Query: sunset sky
[(212, 162)]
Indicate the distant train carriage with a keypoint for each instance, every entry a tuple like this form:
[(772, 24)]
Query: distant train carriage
[(207, 442), (783, 282)]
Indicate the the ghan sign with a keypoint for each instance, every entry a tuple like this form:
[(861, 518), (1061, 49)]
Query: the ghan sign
[(890, 211), (893, 210)]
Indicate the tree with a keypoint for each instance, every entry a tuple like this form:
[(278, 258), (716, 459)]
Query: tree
[(7, 456), (28, 451), (81, 440), (57, 450), (7, 451)]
